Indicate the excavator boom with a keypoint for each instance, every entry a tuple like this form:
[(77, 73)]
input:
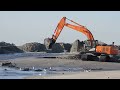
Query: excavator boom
[(81, 29)]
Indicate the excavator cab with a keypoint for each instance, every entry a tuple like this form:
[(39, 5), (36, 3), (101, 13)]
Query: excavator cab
[(88, 46)]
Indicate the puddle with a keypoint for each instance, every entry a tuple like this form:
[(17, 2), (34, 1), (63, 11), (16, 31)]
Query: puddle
[(10, 73), (72, 69)]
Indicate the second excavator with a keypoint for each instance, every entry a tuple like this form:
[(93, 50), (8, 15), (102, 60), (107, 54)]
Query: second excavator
[(104, 51)]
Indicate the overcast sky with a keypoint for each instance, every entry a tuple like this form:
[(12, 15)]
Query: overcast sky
[(20, 27)]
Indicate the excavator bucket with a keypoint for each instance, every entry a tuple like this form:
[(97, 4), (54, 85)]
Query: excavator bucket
[(48, 42)]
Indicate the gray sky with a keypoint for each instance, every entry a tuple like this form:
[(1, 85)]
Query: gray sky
[(20, 27)]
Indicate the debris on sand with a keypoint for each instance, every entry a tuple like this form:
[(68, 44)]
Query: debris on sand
[(24, 69), (8, 64)]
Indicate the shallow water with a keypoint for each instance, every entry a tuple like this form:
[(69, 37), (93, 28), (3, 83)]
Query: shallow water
[(11, 73)]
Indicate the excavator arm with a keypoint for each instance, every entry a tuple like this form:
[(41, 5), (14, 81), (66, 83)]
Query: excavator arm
[(50, 41), (81, 29)]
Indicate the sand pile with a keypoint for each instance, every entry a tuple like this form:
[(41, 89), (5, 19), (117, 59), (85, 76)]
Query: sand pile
[(33, 47), (6, 48)]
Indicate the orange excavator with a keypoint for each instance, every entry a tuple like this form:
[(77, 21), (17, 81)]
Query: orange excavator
[(100, 50)]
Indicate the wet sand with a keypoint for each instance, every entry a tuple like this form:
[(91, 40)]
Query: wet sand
[(49, 62)]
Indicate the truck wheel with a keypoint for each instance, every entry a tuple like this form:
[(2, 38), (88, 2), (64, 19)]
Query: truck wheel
[(95, 58), (114, 58), (97, 54), (104, 58), (86, 57)]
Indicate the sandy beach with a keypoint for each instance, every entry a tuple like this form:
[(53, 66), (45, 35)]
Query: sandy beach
[(82, 75), (94, 69), (49, 62)]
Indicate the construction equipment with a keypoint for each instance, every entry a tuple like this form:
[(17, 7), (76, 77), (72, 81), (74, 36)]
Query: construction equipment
[(103, 51)]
